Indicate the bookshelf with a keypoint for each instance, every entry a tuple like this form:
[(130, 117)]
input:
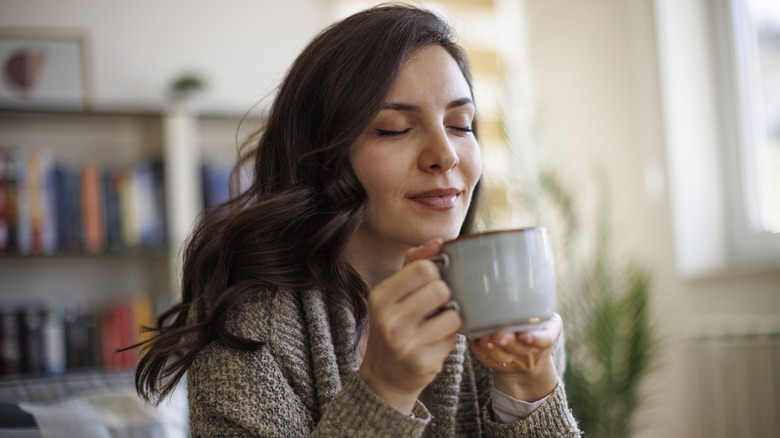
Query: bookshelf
[(108, 279)]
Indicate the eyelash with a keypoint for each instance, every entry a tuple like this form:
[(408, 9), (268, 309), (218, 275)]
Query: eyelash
[(388, 133)]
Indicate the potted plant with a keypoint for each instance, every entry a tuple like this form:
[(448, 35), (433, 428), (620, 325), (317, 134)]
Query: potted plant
[(611, 340)]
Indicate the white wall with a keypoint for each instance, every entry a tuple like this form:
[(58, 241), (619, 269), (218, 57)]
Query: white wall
[(598, 100), (241, 47)]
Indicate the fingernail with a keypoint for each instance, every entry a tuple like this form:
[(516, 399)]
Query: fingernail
[(503, 342), (490, 346), (527, 338)]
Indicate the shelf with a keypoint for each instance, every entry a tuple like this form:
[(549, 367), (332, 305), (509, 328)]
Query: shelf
[(132, 252), (253, 114)]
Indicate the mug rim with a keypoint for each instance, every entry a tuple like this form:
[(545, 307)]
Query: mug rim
[(489, 232)]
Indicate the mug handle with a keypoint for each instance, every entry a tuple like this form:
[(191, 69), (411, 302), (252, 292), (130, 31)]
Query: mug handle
[(443, 261), (452, 304)]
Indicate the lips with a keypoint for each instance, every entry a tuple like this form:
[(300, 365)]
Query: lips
[(437, 199)]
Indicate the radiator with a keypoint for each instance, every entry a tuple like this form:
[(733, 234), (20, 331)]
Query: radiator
[(733, 369)]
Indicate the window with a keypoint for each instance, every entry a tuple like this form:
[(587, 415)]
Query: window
[(749, 52), (755, 29), (719, 64)]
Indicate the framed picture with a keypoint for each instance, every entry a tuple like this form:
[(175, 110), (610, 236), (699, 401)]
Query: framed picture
[(44, 69)]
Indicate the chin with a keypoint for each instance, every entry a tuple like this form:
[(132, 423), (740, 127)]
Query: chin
[(446, 233)]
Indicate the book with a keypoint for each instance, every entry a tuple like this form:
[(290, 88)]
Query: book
[(54, 357), (31, 339), (3, 208), (34, 189), (23, 230), (68, 207), (92, 213), (161, 227), (10, 175), (143, 214), (112, 199), (127, 331), (115, 333), (10, 348), (48, 203), (131, 234), (41, 204), (216, 184), (80, 333), (143, 316)]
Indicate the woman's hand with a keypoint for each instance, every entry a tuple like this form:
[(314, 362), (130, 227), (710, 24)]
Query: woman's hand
[(408, 339), (522, 362)]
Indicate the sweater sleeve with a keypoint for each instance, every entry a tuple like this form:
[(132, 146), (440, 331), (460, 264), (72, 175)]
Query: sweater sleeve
[(357, 411), (239, 393), (551, 419)]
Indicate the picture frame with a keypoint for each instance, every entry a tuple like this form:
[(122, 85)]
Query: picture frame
[(44, 69)]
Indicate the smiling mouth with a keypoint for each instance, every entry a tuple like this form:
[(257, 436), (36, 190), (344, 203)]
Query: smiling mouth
[(437, 199)]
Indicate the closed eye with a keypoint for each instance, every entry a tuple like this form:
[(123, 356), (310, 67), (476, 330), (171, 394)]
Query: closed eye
[(389, 133), (462, 128)]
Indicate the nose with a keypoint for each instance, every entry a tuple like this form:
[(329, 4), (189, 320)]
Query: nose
[(438, 154)]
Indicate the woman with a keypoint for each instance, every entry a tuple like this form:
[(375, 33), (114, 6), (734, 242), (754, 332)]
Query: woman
[(309, 306)]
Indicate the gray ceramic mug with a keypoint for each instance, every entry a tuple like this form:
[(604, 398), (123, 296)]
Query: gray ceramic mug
[(500, 280)]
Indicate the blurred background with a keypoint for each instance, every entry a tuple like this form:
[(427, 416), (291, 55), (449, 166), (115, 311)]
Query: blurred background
[(645, 134)]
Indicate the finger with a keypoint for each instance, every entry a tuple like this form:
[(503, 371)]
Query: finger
[(503, 346), (429, 249), (518, 344), (483, 347), (545, 336), (491, 354), (427, 300), (410, 278), (502, 338), (444, 325)]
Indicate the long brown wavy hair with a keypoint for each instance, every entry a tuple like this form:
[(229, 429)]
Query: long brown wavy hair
[(289, 227)]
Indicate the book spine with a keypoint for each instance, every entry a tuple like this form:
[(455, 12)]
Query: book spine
[(114, 240), (216, 184), (93, 216), (111, 336), (58, 175), (158, 169), (23, 208), (79, 333), (54, 358), (49, 214), (128, 337), (11, 198), (10, 347), (31, 323), (3, 204), (127, 205), (73, 234), (143, 316)]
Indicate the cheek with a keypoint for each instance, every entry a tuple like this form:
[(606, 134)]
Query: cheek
[(471, 163), (374, 171)]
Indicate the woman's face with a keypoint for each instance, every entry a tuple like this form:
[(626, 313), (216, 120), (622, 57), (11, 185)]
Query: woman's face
[(418, 159)]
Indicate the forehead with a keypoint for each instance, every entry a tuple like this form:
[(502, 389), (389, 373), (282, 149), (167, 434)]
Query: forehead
[(429, 72)]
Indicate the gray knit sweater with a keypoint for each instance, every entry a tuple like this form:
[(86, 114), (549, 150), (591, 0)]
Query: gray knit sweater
[(303, 382)]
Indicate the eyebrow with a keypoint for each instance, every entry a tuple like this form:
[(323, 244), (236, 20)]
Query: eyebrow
[(398, 106)]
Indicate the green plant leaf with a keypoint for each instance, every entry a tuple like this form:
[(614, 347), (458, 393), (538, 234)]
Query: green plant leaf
[(604, 301)]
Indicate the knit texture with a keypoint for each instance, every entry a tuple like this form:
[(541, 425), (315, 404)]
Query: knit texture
[(303, 382)]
